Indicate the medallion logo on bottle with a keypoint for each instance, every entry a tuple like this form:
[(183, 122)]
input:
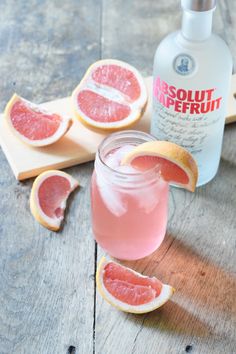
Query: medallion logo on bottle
[(185, 101), (184, 64)]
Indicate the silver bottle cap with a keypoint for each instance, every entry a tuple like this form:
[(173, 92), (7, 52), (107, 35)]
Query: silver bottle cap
[(198, 5)]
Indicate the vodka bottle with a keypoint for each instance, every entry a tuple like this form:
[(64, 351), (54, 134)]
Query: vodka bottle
[(192, 73)]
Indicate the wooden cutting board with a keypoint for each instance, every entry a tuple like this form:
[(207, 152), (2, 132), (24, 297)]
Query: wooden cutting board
[(78, 146)]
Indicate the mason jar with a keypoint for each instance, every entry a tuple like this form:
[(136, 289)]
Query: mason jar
[(128, 207)]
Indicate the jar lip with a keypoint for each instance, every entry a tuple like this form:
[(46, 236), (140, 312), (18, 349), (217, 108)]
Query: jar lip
[(136, 134)]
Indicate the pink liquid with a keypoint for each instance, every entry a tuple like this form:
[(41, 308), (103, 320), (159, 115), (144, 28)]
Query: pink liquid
[(129, 223)]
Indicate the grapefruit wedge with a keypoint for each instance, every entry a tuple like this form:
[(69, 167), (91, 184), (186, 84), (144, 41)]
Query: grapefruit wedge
[(175, 164), (49, 194), (34, 125), (111, 96), (130, 291)]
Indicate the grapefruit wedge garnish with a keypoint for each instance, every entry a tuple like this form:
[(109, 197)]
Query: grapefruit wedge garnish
[(49, 194), (33, 124), (111, 96), (130, 291), (175, 164)]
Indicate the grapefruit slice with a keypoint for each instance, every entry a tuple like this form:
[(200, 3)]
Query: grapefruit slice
[(111, 96), (128, 290), (48, 197), (176, 165), (33, 124)]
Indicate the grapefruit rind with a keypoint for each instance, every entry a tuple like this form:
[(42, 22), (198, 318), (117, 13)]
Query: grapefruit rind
[(65, 125), (166, 292), (171, 152), (137, 107), (50, 223)]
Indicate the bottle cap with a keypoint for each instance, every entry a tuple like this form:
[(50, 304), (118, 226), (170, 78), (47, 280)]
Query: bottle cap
[(198, 5)]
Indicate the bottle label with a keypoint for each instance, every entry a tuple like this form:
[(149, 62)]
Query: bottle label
[(190, 118), (186, 101)]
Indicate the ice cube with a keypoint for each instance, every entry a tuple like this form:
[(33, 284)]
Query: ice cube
[(147, 198), (111, 197), (113, 159)]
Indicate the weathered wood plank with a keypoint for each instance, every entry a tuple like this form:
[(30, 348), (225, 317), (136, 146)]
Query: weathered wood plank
[(132, 30), (46, 279), (198, 254), (227, 10), (46, 46), (47, 287)]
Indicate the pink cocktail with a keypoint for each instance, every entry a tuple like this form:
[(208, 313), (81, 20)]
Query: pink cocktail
[(129, 208)]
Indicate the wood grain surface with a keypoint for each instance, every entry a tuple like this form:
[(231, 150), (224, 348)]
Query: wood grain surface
[(48, 299)]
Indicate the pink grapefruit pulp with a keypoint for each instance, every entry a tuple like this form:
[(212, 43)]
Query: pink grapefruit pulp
[(100, 108), (52, 192), (111, 96), (169, 170), (32, 124), (49, 195), (128, 286), (119, 78), (174, 163), (129, 290)]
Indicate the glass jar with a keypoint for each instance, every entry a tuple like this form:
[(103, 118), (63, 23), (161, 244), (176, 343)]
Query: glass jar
[(129, 208)]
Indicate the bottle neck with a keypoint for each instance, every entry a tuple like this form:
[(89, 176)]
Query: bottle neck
[(196, 25)]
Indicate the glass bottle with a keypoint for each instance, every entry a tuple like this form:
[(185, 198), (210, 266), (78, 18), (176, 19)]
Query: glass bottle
[(192, 73)]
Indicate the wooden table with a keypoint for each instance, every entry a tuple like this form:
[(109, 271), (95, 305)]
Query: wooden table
[(48, 298)]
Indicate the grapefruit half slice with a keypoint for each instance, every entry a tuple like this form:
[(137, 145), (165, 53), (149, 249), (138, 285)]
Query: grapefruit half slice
[(34, 125), (49, 194), (130, 291), (175, 164), (111, 96)]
